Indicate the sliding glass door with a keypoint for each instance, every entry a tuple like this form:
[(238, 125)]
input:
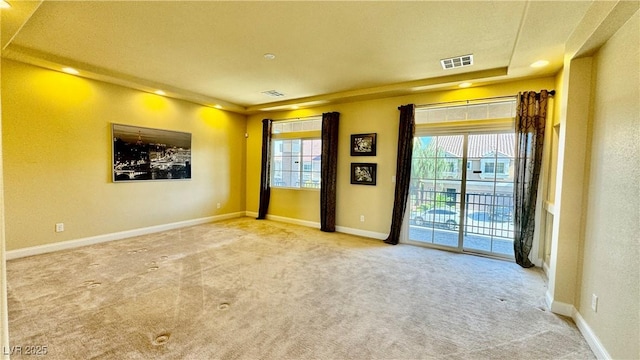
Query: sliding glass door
[(434, 196), (489, 194), (461, 195)]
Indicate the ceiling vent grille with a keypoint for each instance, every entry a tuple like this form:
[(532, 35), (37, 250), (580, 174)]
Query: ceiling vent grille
[(273, 93), (456, 62)]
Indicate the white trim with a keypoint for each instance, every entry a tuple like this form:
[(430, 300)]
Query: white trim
[(550, 207), (588, 334), (548, 299), (591, 338), (313, 224), (538, 262), (561, 308), (70, 244), (283, 219), (558, 307), (545, 268), (363, 233)]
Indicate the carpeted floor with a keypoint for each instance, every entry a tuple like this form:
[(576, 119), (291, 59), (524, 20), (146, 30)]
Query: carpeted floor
[(248, 289)]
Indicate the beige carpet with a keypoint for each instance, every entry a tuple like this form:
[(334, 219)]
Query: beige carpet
[(248, 289)]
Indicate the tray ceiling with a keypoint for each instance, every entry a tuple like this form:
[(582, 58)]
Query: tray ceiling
[(213, 52)]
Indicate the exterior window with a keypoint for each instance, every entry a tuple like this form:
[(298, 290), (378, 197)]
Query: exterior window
[(296, 153), (500, 168), (296, 163), (451, 166), (489, 167)]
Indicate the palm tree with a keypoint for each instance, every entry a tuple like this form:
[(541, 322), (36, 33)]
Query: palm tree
[(429, 162)]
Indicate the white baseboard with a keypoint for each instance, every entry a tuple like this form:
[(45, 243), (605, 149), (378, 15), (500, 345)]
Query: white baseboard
[(70, 244), (569, 310), (316, 225), (363, 233), (560, 308), (545, 268), (538, 262), (311, 224), (284, 219), (594, 343)]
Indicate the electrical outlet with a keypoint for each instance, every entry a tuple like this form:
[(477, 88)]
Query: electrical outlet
[(218, 205), (362, 218), (594, 302), (59, 227)]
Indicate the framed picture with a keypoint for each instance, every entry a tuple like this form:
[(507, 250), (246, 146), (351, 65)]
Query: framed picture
[(363, 173), (142, 154), (363, 144)]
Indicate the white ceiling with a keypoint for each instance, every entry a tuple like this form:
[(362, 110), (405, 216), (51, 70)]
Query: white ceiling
[(212, 52)]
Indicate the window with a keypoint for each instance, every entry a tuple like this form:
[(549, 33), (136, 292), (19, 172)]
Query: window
[(296, 154), (448, 167), (294, 126), (490, 167), (499, 109), (296, 163), (451, 166)]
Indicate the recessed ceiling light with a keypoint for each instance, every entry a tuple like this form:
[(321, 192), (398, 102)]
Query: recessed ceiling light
[(217, 106), (540, 63), (465, 84), (4, 4), (160, 92), (70, 70), (269, 56)]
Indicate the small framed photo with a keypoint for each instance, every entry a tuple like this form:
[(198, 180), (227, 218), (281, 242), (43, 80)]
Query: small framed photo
[(363, 173), (363, 144)]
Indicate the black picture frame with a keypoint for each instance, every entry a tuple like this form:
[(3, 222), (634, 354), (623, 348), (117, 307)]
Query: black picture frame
[(364, 173), (146, 154), (363, 144)]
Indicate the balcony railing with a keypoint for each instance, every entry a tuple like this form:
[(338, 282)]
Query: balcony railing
[(485, 213)]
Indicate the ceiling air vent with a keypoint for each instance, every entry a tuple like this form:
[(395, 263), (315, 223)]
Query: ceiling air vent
[(273, 93), (456, 62)]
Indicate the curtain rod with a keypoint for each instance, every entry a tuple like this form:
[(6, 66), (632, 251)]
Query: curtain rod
[(298, 118), (466, 102)]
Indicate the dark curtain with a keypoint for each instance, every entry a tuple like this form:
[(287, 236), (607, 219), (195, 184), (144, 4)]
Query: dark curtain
[(329, 169), (265, 173), (403, 171), (531, 118)]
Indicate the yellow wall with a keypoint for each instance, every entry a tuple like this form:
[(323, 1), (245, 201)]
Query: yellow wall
[(552, 137), (610, 266), (4, 318), (377, 116), (57, 158)]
